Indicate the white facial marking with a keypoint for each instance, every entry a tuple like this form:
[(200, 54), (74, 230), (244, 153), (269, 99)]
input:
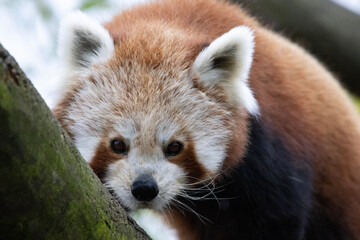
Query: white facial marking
[(167, 130), (126, 128), (87, 146), (211, 143)]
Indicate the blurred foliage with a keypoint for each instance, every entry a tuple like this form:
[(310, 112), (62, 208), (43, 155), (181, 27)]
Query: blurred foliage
[(43, 9), (357, 101), (94, 3)]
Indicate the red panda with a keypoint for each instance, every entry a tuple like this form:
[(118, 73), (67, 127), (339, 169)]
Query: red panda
[(194, 109)]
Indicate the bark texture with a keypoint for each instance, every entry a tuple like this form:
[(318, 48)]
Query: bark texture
[(329, 31), (47, 191)]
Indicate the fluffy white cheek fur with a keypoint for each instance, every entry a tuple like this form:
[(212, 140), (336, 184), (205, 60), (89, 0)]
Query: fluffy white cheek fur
[(87, 146), (169, 178)]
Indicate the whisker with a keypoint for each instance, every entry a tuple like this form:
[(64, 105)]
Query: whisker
[(187, 207), (206, 198)]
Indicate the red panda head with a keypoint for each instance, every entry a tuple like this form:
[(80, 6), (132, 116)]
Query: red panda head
[(151, 116)]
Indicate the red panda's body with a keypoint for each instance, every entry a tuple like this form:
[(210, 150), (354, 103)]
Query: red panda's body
[(283, 160)]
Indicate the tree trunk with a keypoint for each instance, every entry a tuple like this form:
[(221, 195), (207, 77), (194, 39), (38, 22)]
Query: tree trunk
[(329, 31), (47, 191)]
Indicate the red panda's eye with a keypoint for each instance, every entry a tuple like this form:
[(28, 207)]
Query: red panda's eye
[(173, 149), (118, 146)]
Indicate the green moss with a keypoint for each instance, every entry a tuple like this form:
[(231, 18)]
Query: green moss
[(47, 190)]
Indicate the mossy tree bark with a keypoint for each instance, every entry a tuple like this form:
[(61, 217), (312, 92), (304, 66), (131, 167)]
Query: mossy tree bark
[(47, 191), (329, 31)]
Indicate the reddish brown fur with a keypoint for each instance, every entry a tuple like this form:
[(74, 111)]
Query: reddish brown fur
[(305, 104), (187, 161), (103, 157), (59, 112), (185, 225), (313, 115)]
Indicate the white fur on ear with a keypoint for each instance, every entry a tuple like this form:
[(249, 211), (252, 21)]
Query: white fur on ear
[(227, 62), (83, 42)]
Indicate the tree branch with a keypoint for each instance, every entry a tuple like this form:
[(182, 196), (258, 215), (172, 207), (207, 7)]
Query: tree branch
[(47, 191)]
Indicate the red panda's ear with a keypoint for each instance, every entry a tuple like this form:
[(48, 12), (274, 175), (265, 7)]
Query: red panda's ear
[(227, 62), (83, 42)]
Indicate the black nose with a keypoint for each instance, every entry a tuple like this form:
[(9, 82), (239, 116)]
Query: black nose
[(144, 188)]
